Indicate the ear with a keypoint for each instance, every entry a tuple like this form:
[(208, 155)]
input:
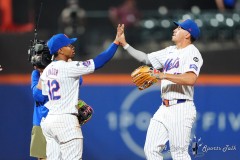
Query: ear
[(60, 51), (188, 35)]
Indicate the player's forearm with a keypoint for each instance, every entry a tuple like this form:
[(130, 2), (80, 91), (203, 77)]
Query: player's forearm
[(138, 55), (105, 56), (183, 79)]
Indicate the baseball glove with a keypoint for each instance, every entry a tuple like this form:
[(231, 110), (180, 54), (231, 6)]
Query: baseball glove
[(84, 112), (144, 77)]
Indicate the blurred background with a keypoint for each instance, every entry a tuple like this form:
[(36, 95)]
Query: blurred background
[(122, 113)]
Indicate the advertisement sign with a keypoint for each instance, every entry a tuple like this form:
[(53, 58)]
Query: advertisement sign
[(121, 117)]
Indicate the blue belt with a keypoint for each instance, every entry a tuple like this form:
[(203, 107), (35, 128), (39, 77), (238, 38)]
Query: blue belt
[(168, 103)]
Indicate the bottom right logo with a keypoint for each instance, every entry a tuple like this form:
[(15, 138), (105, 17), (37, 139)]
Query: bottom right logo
[(199, 149), (196, 146)]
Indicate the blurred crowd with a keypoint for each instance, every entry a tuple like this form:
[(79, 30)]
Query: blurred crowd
[(219, 20)]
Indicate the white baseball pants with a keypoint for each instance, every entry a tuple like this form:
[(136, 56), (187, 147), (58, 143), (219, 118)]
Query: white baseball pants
[(173, 124)]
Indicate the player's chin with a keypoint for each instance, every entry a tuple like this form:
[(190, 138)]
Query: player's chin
[(173, 38), (72, 56)]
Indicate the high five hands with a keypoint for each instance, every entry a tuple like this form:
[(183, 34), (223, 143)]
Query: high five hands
[(120, 37)]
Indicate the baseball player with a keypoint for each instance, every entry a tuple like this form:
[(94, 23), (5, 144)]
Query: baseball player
[(60, 82), (180, 66), (38, 141)]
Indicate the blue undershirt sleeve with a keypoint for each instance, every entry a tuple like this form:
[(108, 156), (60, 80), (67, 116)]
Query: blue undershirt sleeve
[(80, 80), (105, 56)]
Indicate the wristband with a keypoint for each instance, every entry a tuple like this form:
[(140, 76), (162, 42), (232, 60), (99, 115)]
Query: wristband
[(156, 73), (126, 46), (116, 42)]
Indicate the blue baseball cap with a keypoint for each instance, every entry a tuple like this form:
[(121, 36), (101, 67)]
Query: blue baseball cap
[(190, 26), (58, 41)]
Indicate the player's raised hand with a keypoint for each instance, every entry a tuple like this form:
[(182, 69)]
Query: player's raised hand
[(121, 37), (120, 31)]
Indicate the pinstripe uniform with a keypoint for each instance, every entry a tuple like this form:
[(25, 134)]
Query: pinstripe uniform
[(61, 84), (173, 123), (60, 81)]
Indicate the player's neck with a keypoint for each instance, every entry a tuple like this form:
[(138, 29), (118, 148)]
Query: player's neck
[(61, 58), (183, 44)]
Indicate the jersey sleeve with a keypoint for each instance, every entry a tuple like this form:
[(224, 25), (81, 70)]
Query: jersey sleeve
[(78, 68), (193, 62), (158, 58)]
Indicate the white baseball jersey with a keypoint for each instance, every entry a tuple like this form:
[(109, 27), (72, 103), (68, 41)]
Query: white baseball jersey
[(177, 61), (60, 81), (173, 123)]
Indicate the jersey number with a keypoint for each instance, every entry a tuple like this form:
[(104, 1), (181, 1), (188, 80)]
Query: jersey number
[(53, 89)]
